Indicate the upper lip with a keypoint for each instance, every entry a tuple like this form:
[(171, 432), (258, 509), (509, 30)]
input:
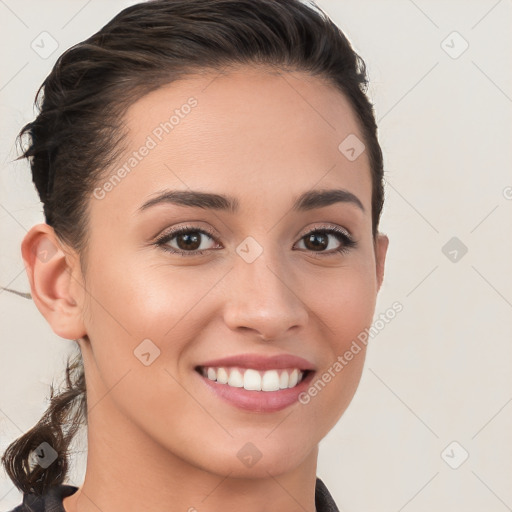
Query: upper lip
[(259, 362)]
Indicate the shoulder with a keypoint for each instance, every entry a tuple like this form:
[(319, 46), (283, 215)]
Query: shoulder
[(50, 501), (324, 502)]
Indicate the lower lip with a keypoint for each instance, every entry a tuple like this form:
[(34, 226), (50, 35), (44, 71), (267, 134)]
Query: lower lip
[(258, 401)]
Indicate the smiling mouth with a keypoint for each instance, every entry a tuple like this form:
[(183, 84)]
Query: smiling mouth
[(254, 380)]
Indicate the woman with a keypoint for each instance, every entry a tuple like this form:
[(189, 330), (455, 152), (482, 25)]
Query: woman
[(212, 186)]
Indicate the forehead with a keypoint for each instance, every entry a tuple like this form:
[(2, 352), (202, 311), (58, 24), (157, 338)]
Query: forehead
[(249, 130)]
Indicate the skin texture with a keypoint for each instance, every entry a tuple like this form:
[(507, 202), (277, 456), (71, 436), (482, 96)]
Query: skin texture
[(157, 437)]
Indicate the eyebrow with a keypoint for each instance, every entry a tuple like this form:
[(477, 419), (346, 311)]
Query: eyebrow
[(306, 201)]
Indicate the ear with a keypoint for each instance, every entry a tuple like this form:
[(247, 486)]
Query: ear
[(381, 248), (54, 275)]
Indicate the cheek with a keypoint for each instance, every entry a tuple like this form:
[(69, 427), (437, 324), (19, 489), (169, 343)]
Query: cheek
[(138, 297), (130, 302), (345, 300), (134, 311)]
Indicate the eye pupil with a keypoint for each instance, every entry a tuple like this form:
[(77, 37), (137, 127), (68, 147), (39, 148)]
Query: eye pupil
[(314, 243), (192, 241)]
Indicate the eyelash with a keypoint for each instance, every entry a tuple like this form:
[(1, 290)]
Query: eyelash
[(347, 242)]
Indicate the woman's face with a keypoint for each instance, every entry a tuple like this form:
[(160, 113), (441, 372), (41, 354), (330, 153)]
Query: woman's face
[(251, 278)]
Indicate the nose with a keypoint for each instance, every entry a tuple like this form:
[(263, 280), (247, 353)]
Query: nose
[(264, 298)]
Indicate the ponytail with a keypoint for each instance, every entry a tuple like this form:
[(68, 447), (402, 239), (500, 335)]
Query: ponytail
[(57, 428)]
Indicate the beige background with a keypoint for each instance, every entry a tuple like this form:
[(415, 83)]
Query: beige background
[(440, 371)]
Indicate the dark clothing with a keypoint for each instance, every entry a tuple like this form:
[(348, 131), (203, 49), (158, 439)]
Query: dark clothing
[(323, 499), (52, 500)]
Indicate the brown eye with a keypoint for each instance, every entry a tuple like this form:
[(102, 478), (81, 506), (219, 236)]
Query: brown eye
[(315, 241), (187, 241), (329, 241)]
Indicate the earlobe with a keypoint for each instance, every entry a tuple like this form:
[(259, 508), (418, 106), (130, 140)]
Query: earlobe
[(51, 272), (381, 249)]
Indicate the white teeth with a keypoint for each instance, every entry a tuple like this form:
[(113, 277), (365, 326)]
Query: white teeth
[(254, 380), (236, 379), (294, 377), (283, 380), (222, 376), (270, 381)]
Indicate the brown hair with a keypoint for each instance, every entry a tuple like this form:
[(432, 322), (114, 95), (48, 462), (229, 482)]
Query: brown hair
[(77, 133)]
